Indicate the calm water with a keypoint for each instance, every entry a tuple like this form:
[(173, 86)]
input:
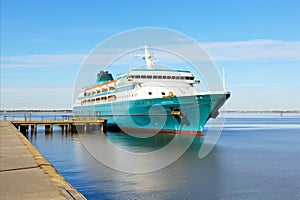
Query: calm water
[(256, 157)]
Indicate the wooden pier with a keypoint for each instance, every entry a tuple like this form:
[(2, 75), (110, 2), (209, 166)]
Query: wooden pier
[(67, 123)]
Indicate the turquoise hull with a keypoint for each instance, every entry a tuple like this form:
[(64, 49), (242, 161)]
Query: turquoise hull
[(159, 114)]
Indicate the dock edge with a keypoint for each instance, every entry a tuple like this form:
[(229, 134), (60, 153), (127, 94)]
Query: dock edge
[(56, 178)]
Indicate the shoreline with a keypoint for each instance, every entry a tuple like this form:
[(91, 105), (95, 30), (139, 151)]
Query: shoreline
[(35, 111), (263, 111), (70, 111)]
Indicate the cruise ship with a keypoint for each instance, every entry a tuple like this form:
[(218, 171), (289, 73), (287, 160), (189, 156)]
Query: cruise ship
[(150, 99)]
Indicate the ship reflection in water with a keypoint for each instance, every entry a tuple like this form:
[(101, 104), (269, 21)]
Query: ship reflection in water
[(171, 182), (255, 158), (137, 152)]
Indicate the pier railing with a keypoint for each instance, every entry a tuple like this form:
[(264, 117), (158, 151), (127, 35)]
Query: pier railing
[(67, 122), (37, 117)]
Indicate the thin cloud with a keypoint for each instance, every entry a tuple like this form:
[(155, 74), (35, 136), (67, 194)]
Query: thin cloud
[(38, 89), (254, 50), (271, 50), (42, 60)]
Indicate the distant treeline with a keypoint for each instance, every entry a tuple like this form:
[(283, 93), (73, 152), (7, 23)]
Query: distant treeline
[(36, 111), (263, 111), (70, 111)]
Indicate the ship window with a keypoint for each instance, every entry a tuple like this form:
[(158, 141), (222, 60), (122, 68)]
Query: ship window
[(177, 77), (149, 76), (150, 93), (163, 93), (181, 77), (164, 77), (111, 98), (137, 76), (189, 78), (159, 77), (168, 77), (173, 77), (155, 77), (143, 76)]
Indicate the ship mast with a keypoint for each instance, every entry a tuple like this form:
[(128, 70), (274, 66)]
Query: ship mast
[(147, 57)]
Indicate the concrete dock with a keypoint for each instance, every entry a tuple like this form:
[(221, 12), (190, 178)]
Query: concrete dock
[(25, 173)]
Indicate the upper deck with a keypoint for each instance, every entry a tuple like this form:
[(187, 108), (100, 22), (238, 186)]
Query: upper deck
[(157, 75), (147, 82)]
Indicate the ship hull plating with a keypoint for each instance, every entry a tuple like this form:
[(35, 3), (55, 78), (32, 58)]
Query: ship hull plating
[(184, 115)]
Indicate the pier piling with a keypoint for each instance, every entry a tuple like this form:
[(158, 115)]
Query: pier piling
[(23, 129), (48, 128)]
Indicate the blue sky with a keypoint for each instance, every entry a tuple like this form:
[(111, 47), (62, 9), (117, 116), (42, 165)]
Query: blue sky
[(43, 44)]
